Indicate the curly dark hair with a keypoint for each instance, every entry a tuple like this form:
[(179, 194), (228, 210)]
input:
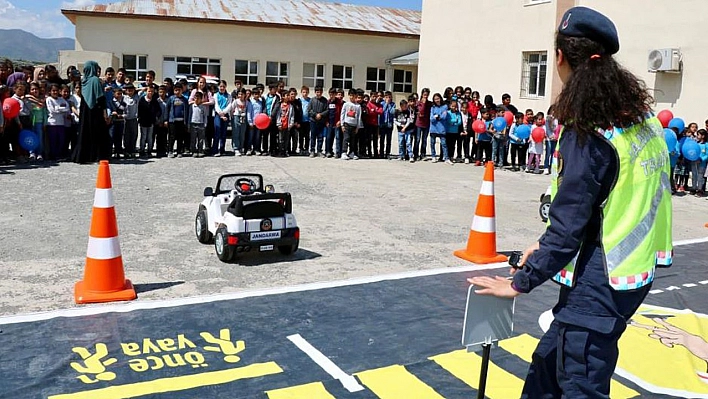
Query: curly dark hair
[(600, 93)]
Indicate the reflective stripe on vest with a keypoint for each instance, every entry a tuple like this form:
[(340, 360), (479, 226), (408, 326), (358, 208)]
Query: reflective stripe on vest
[(636, 229)]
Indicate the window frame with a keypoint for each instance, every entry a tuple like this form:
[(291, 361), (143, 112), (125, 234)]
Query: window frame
[(379, 84), (181, 61), (135, 72), (315, 79), (279, 76), (246, 78), (405, 83), (534, 75), (343, 80)]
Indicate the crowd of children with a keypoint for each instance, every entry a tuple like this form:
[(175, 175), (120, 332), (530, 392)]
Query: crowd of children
[(177, 119)]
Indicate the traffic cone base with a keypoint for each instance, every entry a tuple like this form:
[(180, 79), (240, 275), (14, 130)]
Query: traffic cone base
[(84, 295), (104, 278), (463, 254), (482, 242)]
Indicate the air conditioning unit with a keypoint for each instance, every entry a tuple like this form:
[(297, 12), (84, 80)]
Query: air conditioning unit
[(664, 60)]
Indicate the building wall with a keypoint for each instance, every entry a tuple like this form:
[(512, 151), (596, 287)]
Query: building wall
[(664, 27), (231, 42), (487, 58), (529, 25), (78, 58)]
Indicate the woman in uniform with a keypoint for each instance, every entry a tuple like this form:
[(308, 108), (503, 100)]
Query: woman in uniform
[(610, 219)]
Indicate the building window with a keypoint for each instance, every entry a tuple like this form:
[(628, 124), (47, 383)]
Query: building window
[(135, 66), (375, 79), (342, 77), (193, 66), (246, 71), (402, 81), (276, 71), (313, 75), (533, 74)]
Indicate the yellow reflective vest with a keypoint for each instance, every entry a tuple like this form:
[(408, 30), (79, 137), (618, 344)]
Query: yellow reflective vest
[(636, 226)]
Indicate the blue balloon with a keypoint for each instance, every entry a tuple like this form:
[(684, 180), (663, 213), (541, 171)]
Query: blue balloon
[(499, 124), (523, 132), (678, 123), (691, 150), (671, 139), (29, 140)]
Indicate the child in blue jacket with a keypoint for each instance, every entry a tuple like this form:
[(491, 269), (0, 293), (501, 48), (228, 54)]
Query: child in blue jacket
[(438, 127), (454, 128)]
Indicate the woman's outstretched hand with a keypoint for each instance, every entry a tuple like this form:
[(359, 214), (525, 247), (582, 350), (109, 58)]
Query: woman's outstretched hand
[(495, 286)]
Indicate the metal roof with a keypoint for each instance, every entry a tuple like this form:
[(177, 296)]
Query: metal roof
[(408, 59), (286, 13)]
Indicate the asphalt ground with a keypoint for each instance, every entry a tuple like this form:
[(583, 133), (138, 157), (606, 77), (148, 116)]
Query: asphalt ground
[(386, 337)]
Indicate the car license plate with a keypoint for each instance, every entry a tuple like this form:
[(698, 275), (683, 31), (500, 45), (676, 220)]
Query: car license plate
[(266, 248), (265, 235)]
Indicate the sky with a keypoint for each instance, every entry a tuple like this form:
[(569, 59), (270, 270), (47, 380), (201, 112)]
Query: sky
[(43, 18)]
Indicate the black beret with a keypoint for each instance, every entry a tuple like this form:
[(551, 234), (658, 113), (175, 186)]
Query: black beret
[(588, 23)]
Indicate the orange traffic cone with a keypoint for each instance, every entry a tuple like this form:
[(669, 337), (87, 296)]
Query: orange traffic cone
[(482, 241), (104, 279)]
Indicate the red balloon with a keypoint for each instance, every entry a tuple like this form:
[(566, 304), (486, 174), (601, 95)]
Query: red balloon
[(479, 126), (509, 117), (665, 117), (10, 108), (262, 121), (538, 134)]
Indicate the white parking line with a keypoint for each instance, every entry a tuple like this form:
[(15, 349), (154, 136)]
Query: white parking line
[(348, 381), (125, 307)]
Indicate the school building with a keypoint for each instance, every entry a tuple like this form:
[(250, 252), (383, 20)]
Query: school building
[(301, 42), (509, 48)]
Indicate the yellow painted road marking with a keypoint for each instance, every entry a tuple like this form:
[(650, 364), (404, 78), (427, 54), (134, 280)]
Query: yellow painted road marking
[(523, 346), (315, 390), (395, 382), (173, 384), (466, 366)]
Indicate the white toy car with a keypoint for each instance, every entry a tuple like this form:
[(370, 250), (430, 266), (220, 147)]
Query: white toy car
[(242, 215), (545, 205)]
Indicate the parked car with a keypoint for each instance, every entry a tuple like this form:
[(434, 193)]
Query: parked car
[(191, 78)]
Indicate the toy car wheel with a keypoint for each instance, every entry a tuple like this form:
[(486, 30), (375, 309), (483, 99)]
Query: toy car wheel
[(544, 208), (288, 249), (223, 250), (200, 227)]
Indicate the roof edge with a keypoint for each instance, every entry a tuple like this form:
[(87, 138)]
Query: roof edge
[(71, 15)]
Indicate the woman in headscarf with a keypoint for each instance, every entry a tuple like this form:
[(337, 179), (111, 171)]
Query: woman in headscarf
[(93, 142), (14, 78)]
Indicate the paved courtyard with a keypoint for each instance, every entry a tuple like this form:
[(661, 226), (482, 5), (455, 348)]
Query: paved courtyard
[(358, 218)]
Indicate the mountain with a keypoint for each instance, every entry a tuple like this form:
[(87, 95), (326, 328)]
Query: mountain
[(18, 44)]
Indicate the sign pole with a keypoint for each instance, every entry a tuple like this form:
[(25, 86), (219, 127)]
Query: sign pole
[(486, 349)]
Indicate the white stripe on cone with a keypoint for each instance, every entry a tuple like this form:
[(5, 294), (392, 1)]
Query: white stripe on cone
[(484, 224), (103, 248), (103, 198), (487, 188)]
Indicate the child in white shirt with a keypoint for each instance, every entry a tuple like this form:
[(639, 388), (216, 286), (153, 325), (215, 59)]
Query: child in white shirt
[(536, 148), (58, 111)]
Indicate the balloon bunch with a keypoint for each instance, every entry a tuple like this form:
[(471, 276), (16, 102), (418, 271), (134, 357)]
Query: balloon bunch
[(687, 147)]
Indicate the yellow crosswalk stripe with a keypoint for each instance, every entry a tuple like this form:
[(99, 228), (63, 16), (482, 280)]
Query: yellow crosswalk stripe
[(523, 346), (315, 390), (466, 366), (395, 382)]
